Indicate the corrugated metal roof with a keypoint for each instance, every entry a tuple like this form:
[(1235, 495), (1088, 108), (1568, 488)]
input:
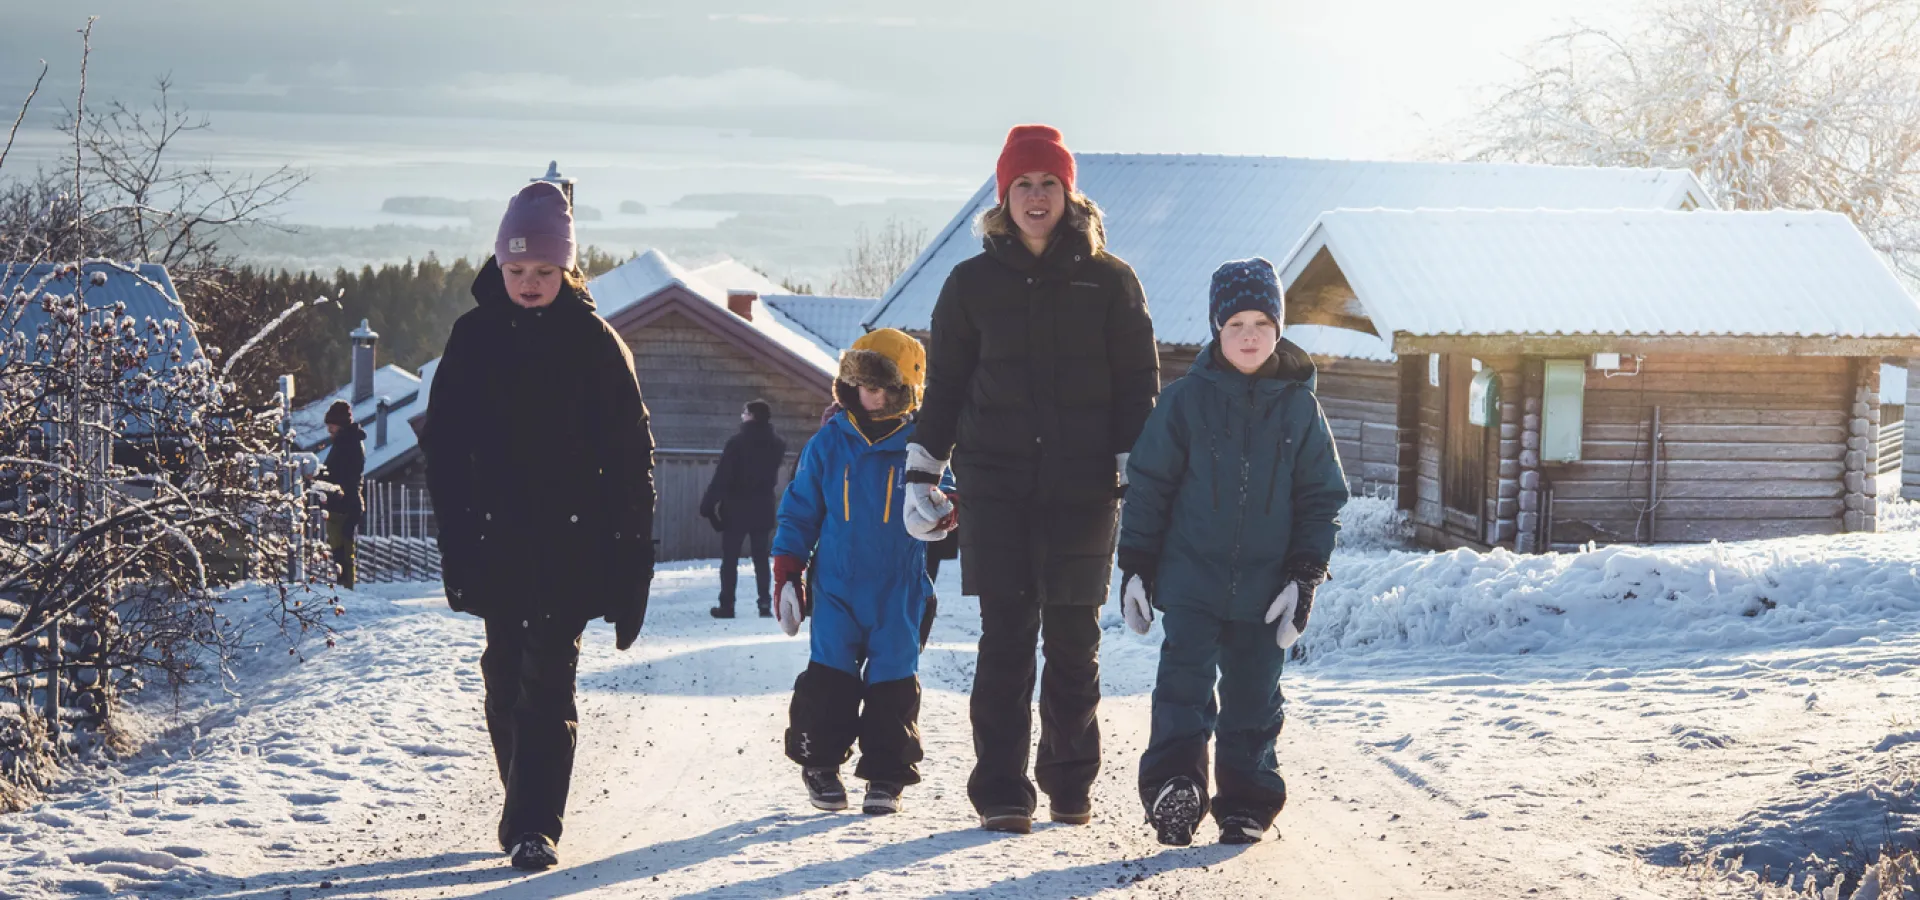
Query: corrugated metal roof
[(835, 320), (147, 291), (1175, 218), (1632, 272)]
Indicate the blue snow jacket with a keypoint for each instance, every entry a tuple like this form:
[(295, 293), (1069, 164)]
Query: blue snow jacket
[(842, 513), (1234, 477)]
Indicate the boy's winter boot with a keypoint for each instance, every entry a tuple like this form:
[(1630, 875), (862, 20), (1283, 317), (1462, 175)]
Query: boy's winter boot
[(1241, 830), (723, 611), (883, 799), (1176, 811), (533, 852), (824, 789)]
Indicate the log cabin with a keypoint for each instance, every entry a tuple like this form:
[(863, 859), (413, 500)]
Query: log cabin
[(1612, 376)]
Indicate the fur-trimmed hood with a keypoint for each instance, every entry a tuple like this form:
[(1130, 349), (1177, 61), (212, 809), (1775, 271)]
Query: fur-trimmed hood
[(887, 359)]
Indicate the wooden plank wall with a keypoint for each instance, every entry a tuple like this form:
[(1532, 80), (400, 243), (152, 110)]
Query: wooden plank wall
[(1754, 447), (1361, 400), (695, 383), (680, 480), (1429, 418)]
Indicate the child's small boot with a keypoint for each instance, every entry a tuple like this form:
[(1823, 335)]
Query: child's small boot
[(883, 798), (824, 789)]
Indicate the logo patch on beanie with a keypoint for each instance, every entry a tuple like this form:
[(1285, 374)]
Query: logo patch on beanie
[(516, 245)]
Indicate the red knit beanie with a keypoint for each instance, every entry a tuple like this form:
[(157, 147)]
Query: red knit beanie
[(1033, 148)]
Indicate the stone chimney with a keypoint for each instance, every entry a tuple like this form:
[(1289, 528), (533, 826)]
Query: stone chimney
[(363, 340), (380, 422), (741, 303)]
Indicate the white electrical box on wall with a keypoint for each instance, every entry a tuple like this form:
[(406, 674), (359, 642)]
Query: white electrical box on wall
[(1606, 362)]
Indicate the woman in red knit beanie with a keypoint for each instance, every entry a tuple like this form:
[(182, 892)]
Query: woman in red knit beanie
[(1041, 371)]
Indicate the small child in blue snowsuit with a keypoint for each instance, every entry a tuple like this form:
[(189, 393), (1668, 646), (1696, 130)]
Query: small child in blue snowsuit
[(1233, 500), (842, 514)]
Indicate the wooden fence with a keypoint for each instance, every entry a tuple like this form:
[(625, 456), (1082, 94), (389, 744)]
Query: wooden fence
[(1893, 434), (31, 696)]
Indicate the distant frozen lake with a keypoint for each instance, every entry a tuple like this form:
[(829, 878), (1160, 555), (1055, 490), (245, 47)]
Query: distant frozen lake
[(357, 161)]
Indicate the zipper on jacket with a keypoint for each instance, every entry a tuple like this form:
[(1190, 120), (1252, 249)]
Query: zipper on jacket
[(846, 493), (886, 512), (1286, 449)]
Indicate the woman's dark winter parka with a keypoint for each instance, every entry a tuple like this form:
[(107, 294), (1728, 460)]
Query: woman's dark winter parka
[(540, 461), (1040, 370)]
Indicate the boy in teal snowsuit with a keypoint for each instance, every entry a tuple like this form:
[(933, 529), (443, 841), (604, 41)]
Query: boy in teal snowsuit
[(1234, 496), (842, 515)]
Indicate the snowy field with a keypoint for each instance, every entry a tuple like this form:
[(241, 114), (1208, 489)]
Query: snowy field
[(1604, 724)]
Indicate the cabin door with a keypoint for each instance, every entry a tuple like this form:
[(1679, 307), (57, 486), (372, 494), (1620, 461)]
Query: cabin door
[(1463, 463)]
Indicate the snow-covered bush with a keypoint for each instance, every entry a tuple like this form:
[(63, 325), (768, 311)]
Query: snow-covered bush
[(1373, 524)]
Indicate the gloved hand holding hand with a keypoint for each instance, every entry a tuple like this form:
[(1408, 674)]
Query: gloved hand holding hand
[(927, 512), (790, 601)]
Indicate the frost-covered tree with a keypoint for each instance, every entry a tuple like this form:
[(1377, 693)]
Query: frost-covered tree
[(878, 258), (137, 481), (1807, 104)]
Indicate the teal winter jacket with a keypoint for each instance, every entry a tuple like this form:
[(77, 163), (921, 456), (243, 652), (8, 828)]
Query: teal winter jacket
[(1234, 479)]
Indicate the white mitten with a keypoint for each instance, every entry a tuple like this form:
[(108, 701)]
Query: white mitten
[(919, 460), (786, 608), (1135, 607), (1282, 611), (924, 507)]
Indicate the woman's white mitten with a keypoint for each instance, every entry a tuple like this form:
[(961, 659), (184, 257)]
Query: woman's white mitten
[(786, 608)]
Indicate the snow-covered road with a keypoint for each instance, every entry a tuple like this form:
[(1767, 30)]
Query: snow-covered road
[(1413, 771)]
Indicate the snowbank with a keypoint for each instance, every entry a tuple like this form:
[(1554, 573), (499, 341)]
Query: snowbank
[(1808, 592)]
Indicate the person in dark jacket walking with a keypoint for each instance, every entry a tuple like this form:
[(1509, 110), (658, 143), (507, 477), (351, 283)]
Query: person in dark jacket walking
[(740, 504), (346, 459), (1234, 501), (1041, 370), (540, 463)]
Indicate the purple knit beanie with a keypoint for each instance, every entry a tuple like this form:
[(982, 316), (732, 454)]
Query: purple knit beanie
[(538, 227)]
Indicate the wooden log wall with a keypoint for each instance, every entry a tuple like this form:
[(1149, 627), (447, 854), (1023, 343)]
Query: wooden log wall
[(1532, 497), (1361, 400), (1429, 417), (1863, 447), (1910, 466), (695, 382), (1751, 447)]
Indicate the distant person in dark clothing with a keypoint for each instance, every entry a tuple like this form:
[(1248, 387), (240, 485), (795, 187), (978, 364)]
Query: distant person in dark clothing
[(345, 460), (740, 504)]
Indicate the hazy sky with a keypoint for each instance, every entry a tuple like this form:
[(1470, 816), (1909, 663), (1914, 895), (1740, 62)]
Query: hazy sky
[(1351, 78)]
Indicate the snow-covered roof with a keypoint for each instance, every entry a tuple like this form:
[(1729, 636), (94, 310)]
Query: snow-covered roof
[(834, 320), (401, 439), (652, 272), (734, 275), (1327, 340), (1779, 273), (145, 288), (389, 381), (1175, 218)]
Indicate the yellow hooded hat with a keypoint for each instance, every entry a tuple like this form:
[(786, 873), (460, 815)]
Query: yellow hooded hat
[(889, 359)]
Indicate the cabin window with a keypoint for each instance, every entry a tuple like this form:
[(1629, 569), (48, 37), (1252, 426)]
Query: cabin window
[(1561, 420)]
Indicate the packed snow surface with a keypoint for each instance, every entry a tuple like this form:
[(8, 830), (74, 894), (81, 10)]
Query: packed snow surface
[(1464, 725)]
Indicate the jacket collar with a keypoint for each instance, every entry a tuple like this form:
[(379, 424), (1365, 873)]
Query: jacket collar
[(490, 292), (893, 435), (1295, 368), (1069, 248)]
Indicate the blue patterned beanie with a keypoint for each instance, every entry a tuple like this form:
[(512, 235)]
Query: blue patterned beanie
[(1241, 285)]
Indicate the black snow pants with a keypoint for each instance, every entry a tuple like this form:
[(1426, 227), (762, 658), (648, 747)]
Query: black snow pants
[(1002, 706), (832, 709), (758, 547), (529, 667)]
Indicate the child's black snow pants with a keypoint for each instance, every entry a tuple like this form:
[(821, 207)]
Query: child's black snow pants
[(529, 667), (1243, 720), (831, 709)]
